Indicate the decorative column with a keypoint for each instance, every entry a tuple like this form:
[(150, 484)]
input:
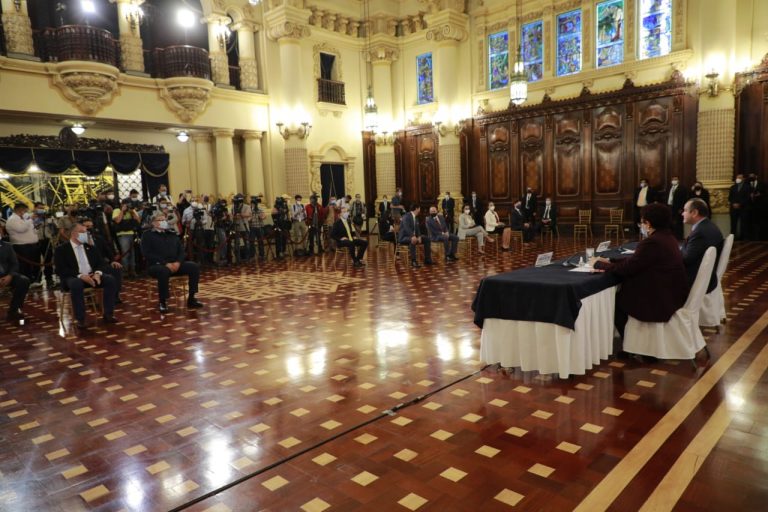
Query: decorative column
[(131, 48), (296, 163), (217, 30), (549, 35), (226, 179), (206, 173), (249, 69), (254, 167), (18, 30), (382, 56), (448, 28), (587, 37)]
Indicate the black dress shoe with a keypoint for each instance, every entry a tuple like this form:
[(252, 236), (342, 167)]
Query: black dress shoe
[(109, 319), (453, 257), (357, 264), (81, 325), (14, 315), (118, 301), (415, 264), (193, 303), (163, 307), (430, 262)]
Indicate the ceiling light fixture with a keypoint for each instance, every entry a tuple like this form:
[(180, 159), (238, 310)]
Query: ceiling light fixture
[(185, 18), (371, 111), (88, 6), (182, 136), (518, 79)]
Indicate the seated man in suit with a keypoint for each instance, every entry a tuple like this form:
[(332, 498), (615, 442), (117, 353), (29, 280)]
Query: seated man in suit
[(653, 280), (79, 266), (518, 222), (410, 235), (704, 234), (493, 224), (9, 276), (345, 236), (164, 254), (548, 215), (438, 230), (386, 228), (108, 256)]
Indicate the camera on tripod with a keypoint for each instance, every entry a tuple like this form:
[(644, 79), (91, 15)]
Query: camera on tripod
[(198, 214), (219, 210)]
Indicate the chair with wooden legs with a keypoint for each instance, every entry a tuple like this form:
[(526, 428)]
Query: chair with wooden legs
[(177, 286), (517, 236), (94, 297), (613, 228), (583, 228)]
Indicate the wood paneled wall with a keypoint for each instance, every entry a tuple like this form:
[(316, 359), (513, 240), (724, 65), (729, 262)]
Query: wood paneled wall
[(752, 125), (586, 153), (417, 165)]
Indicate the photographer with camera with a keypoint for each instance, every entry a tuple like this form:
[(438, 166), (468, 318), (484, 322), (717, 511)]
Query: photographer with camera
[(165, 206), (282, 220), (357, 212), (258, 225), (241, 218), (127, 223), (199, 228), (162, 194), (21, 230), (315, 219), (222, 225), (298, 223)]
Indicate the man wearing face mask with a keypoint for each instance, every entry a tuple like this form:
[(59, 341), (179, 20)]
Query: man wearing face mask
[(493, 224), (66, 222), (79, 267), (127, 222), (398, 208), (357, 213), (107, 255), (10, 277), (162, 193), (449, 208), (518, 222), (530, 202), (475, 206), (699, 192), (676, 198), (410, 235), (315, 218), (738, 198), (298, 222), (548, 216), (164, 254), (345, 236), (438, 230), (644, 195), (21, 231)]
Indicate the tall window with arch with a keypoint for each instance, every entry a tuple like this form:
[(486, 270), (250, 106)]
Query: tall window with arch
[(532, 47), (498, 60), (569, 42), (610, 33), (425, 87), (655, 28)]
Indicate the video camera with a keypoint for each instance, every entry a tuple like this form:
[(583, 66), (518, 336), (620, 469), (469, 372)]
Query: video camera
[(219, 209)]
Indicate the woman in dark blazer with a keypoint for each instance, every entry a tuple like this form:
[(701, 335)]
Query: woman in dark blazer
[(654, 283)]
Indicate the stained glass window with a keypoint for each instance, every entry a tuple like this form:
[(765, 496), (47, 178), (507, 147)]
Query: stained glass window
[(610, 33), (655, 28), (498, 60), (532, 46), (569, 42), (426, 91)]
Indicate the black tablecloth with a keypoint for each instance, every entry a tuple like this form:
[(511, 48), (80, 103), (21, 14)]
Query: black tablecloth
[(549, 294)]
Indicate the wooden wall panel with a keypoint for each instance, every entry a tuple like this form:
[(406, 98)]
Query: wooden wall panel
[(653, 148), (416, 165), (752, 125), (608, 150), (568, 157), (499, 162)]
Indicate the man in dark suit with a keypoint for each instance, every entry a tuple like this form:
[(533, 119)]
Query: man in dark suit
[(704, 234), (79, 266), (475, 207), (676, 198), (164, 254), (9, 276), (410, 235), (757, 211), (386, 229), (530, 204), (398, 207), (109, 257), (738, 199), (437, 228), (518, 221), (384, 206), (345, 236), (548, 216), (654, 283), (644, 195), (449, 206)]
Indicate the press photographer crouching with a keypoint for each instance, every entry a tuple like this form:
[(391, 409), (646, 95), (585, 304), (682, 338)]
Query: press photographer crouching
[(164, 254)]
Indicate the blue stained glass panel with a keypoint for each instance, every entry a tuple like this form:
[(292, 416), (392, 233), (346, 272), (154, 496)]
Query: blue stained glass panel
[(569, 42), (532, 47), (655, 28), (610, 33), (498, 60), (426, 91)]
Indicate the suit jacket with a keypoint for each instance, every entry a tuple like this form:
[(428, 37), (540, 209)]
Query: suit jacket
[(338, 231), (650, 196), (706, 235), (654, 283), (516, 219), (409, 226), (532, 204), (66, 262), (739, 195), (8, 261), (552, 213), (436, 226), (449, 205), (678, 199), (384, 207)]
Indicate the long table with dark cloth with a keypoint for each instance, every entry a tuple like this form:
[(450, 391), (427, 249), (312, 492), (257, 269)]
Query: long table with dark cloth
[(547, 319)]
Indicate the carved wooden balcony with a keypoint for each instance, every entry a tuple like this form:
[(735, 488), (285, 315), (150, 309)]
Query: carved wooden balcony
[(182, 61), (78, 42), (330, 91)]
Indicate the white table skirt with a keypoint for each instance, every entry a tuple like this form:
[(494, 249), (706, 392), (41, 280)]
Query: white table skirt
[(551, 348)]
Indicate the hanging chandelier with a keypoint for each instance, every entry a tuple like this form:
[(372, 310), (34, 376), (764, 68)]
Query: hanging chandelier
[(518, 79), (370, 111)]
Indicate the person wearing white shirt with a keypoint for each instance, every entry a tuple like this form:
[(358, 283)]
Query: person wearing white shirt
[(494, 225), (21, 231)]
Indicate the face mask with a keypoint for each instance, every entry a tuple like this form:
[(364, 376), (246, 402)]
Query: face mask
[(162, 193), (466, 212), (110, 196), (59, 215), (163, 225), (82, 238), (643, 185), (492, 208), (134, 198), (674, 182), (194, 204), (433, 214), (26, 216), (643, 230), (474, 196), (738, 180), (40, 212), (164, 206), (548, 203), (345, 215)]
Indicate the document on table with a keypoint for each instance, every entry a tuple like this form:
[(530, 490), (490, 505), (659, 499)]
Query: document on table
[(582, 269), (627, 251)]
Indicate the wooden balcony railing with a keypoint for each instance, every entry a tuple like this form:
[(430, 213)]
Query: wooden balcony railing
[(182, 60), (78, 42), (330, 91)]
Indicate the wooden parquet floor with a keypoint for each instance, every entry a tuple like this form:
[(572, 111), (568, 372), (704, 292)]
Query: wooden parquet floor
[(309, 385)]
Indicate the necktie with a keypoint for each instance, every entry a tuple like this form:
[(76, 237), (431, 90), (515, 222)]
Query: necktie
[(346, 226), (527, 200), (82, 260), (546, 212)]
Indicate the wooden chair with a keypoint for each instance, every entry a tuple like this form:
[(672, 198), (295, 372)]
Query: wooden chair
[(616, 218), (547, 231), (177, 286), (583, 227), (94, 297), (517, 236), (465, 246)]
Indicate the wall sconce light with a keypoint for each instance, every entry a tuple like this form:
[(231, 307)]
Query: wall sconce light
[(78, 129), (222, 33), (444, 129), (300, 132), (133, 15), (88, 6), (384, 138), (182, 136), (713, 85)]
